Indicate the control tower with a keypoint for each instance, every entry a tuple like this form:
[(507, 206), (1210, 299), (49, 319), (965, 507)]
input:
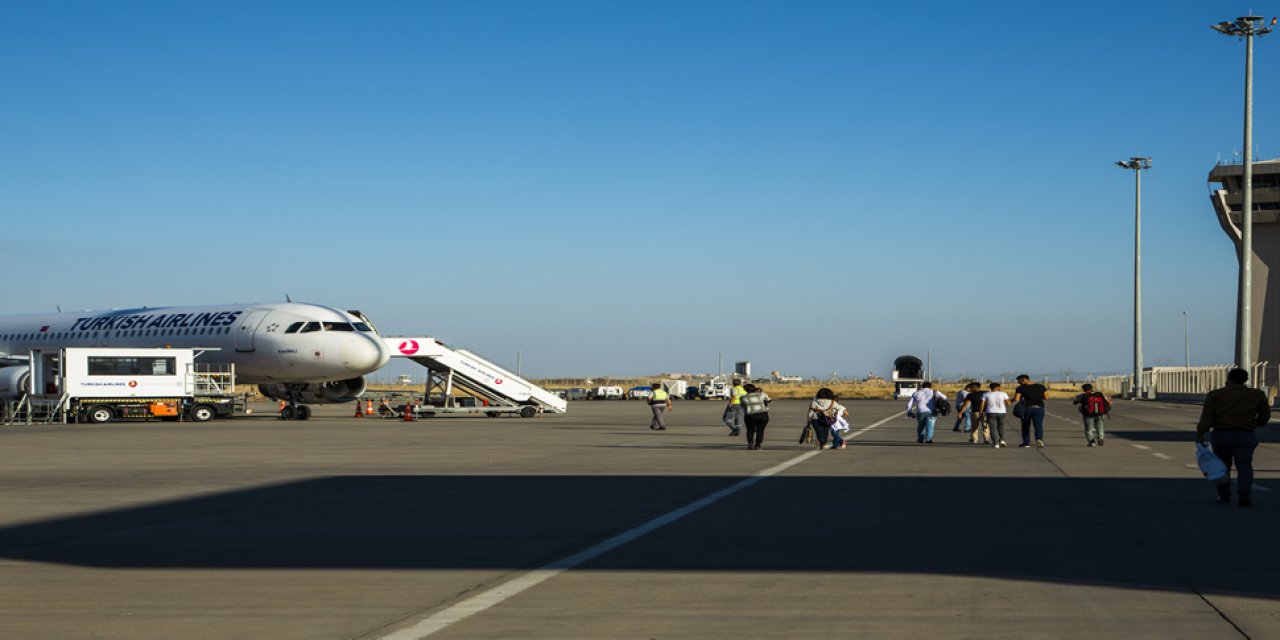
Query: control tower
[(1227, 202)]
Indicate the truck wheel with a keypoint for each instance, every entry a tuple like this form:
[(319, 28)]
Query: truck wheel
[(491, 414), (304, 412), (528, 412), (101, 414), (202, 413)]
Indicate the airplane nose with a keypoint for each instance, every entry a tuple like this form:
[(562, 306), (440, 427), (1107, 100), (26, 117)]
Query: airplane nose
[(364, 355)]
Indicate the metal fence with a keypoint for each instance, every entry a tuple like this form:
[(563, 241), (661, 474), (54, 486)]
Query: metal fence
[(1188, 381)]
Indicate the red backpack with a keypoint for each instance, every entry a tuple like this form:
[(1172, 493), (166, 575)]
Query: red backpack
[(1095, 404)]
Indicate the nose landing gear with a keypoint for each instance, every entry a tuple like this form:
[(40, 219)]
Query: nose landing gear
[(293, 409)]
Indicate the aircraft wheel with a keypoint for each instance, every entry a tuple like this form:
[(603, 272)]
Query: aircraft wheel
[(288, 412), (304, 412)]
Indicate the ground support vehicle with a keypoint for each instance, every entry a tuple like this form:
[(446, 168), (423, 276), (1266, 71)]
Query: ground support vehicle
[(714, 389), (99, 385)]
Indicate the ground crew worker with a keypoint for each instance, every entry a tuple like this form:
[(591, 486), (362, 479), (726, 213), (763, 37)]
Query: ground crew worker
[(659, 402), (734, 417), (1232, 413)]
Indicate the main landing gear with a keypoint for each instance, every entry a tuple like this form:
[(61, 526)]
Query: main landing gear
[(293, 409)]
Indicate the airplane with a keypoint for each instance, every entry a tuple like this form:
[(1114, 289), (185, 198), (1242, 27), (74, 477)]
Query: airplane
[(295, 352)]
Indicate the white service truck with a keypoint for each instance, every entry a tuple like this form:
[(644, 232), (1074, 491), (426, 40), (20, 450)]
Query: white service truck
[(714, 389), (99, 385)]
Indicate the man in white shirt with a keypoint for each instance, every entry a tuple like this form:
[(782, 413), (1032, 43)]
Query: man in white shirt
[(923, 406), (995, 404)]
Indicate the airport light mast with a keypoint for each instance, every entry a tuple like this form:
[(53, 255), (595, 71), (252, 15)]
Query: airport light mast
[(1246, 27), (1137, 165)]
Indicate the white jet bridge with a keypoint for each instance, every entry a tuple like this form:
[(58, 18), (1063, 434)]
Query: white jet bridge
[(500, 390)]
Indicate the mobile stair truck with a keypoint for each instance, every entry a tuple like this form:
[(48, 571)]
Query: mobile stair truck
[(488, 388), (100, 385), (908, 375)]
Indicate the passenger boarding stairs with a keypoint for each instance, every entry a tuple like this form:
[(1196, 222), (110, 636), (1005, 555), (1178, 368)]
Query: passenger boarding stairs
[(501, 390)]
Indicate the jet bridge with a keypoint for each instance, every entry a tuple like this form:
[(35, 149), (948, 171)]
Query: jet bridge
[(448, 369)]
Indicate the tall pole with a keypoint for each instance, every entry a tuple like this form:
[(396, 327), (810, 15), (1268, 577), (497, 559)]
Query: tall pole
[(1186, 339), (1137, 282), (1246, 221), (1246, 27), (1137, 165)]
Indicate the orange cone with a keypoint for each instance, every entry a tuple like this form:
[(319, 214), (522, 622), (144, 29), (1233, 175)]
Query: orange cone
[(368, 407), (359, 409), (281, 409), (408, 411)]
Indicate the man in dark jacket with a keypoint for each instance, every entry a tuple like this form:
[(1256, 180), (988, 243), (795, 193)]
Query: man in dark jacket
[(1232, 413)]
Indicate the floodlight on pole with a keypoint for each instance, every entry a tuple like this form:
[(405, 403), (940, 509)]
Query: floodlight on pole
[(1246, 27), (1137, 165)]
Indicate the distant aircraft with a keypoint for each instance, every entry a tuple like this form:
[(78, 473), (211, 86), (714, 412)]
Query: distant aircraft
[(296, 352)]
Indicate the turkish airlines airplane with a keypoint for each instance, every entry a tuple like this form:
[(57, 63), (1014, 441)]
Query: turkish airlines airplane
[(299, 353)]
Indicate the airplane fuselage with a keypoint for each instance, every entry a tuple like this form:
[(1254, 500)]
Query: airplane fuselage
[(268, 343)]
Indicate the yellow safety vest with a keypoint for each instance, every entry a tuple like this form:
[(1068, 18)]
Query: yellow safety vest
[(738, 392), (659, 396)]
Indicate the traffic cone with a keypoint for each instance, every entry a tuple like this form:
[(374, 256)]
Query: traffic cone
[(359, 409), (368, 407), (408, 411), (281, 409)]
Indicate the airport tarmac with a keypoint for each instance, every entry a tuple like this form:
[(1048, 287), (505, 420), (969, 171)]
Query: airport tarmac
[(589, 525)]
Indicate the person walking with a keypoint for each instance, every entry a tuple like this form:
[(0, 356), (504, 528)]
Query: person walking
[(1094, 407), (1031, 396), (659, 402), (733, 415), (995, 405), (823, 413), (923, 406), (963, 417), (1229, 417), (755, 406), (972, 406)]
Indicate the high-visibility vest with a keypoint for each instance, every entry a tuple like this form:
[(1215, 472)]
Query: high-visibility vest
[(659, 396), (738, 392)]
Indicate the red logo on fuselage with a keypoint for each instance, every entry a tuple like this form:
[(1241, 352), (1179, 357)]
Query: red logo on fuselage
[(409, 347)]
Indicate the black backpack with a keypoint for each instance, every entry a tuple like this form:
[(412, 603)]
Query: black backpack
[(941, 403)]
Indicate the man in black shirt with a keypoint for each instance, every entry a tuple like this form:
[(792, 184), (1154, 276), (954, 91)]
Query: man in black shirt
[(973, 404), (1032, 397), (1231, 414)]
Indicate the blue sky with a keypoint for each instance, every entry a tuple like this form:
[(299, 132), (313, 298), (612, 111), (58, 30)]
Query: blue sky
[(632, 188)]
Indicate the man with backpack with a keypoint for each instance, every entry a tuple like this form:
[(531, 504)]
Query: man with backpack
[(1094, 407)]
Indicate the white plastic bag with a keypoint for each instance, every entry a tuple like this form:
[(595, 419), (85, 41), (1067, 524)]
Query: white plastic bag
[(1210, 464), (841, 424)]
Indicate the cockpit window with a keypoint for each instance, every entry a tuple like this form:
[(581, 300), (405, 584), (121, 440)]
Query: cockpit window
[(293, 328), (338, 326), (362, 327), (310, 326)]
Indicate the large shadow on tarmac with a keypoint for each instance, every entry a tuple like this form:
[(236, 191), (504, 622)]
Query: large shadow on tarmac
[(1136, 533)]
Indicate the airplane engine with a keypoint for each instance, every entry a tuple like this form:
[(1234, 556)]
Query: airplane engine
[(334, 392), (13, 382)]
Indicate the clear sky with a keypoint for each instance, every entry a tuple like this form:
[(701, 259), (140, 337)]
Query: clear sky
[(632, 188)]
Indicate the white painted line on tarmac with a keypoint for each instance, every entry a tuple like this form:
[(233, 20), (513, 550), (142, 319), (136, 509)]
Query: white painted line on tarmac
[(1142, 446), (475, 604), (1162, 456)]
